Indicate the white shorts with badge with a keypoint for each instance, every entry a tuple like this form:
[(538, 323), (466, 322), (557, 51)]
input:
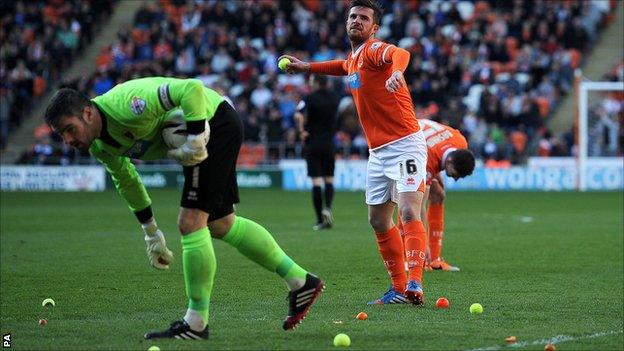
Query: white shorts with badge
[(401, 164)]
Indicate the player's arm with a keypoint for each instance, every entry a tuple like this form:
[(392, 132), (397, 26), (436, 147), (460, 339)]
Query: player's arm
[(129, 186), (437, 193), (330, 68), (189, 95), (398, 59), (126, 180), (300, 119)]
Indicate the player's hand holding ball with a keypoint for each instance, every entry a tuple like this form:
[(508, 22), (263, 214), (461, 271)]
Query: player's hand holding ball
[(192, 152), (291, 64), (395, 82), (283, 63), (157, 252)]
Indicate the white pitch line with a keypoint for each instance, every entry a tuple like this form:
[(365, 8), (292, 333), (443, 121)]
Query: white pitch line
[(554, 340)]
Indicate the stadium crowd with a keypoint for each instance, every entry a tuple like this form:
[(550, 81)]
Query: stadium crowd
[(493, 69), (38, 39)]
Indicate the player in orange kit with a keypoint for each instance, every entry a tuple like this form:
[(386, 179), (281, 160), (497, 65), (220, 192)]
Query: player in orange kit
[(447, 150), (397, 146)]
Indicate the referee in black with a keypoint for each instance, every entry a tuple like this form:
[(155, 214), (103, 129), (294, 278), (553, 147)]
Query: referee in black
[(316, 120)]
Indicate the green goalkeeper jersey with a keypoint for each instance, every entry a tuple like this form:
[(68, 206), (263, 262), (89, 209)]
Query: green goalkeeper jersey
[(134, 113)]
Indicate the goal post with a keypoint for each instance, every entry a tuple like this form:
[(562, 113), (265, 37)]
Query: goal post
[(585, 87)]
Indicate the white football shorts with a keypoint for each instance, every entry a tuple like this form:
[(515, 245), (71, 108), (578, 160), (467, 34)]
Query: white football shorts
[(401, 164)]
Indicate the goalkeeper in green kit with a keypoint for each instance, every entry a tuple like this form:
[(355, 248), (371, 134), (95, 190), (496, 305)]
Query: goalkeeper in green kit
[(126, 123)]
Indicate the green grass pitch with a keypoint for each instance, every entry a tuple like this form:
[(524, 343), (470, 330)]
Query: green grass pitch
[(542, 265)]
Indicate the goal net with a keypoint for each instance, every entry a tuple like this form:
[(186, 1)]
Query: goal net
[(600, 165)]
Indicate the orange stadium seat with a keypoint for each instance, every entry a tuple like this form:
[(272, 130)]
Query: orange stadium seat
[(511, 45), (575, 58), (39, 86), (518, 140), (42, 131), (543, 106), (251, 154)]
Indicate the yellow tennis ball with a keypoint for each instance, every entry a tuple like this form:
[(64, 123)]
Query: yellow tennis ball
[(154, 348), (282, 63), (48, 303), (476, 308), (342, 340)]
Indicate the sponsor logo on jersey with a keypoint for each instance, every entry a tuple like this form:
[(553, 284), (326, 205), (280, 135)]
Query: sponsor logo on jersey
[(410, 181), (375, 45), (354, 81), (137, 105)]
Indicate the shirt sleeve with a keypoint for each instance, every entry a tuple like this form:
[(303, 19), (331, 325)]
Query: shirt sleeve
[(302, 106), (379, 53), (331, 68), (185, 93), (126, 179)]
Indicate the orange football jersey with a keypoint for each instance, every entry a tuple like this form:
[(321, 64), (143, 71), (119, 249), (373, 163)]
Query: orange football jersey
[(441, 140), (385, 116)]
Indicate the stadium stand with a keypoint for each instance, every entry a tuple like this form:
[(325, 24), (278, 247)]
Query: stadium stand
[(38, 41), (494, 69)]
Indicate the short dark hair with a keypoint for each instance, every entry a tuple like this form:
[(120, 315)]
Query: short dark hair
[(65, 102), (371, 4), (463, 161)]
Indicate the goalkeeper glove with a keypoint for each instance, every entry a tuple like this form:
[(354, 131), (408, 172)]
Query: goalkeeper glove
[(157, 252), (193, 151)]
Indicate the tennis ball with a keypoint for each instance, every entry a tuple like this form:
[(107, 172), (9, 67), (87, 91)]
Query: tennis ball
[(282, 63), (442, 302), (43, 322), (154, 348), (342, 340), (362, 316), (48, 303), (476, 308)]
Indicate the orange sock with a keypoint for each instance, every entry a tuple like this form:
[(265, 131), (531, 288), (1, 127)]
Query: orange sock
[(435, 217), (391, 250), (415, 246)]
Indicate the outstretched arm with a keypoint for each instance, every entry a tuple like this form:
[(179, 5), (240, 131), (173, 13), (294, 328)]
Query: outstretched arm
[(330, 68), (130, 187), (127, 182)]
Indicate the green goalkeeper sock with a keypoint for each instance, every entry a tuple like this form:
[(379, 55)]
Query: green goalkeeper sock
[(257, 244), (199, 264)]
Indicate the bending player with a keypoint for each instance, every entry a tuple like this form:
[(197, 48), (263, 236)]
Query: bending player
[(447, 150), (397, 147), (126, 123)]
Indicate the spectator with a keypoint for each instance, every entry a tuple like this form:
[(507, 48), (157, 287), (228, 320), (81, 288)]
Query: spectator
[(504, 54), (605, 133), (43, 150), (6, 101), (102, 83), (261, 96)]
